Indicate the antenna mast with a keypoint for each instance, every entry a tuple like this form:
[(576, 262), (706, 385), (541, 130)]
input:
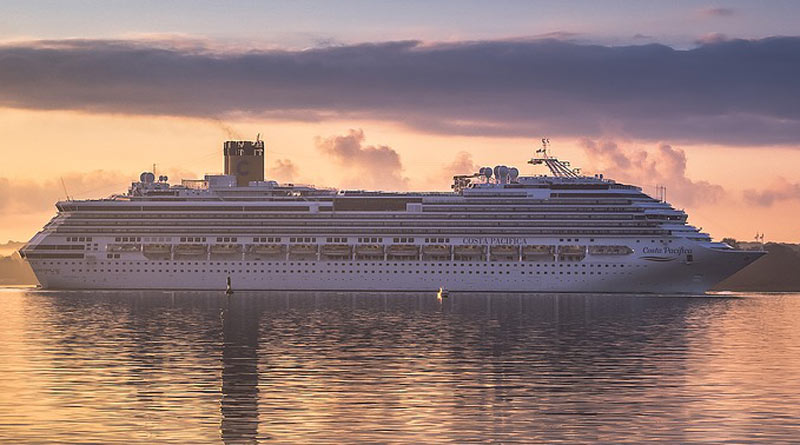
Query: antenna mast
[(661, 192), (64, 185), (559, 169)]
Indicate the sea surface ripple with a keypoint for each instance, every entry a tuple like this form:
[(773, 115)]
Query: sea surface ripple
[(194, 367)]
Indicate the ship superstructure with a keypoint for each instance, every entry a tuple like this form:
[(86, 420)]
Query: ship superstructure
[(495, 231)]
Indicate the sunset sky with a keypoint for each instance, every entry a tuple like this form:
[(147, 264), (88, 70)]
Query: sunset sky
[(702, 97)]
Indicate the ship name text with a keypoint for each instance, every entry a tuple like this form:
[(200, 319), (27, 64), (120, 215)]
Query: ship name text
[(667, 250), (494, 240)]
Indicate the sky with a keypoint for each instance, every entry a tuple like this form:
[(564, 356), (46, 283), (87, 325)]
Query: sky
[(700, 97)]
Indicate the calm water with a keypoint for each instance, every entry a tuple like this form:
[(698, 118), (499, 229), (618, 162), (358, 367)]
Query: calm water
[(316, 368)]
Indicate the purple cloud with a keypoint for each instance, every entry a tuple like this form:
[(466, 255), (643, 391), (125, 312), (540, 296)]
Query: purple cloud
[(728, 92), (782, 190), (717, 12)]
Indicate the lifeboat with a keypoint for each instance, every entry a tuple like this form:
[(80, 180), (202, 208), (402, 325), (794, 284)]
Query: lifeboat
[(538, 250), (303, 249), (336, 250), (266, 249), (468, 251), (156, 248), (123, 247), (610, 250), (572, 250), (369, 250), (571, 253), (403, 250), (190, 249), (225, 249), (504, 251), (436, 249)]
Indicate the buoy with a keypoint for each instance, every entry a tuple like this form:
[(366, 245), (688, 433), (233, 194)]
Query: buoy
[(228, 288)]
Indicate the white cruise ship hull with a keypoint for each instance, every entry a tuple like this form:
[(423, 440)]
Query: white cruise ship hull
[(666, 275)]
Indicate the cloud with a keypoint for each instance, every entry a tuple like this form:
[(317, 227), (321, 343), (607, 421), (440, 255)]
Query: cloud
[(716, 12), (711, 38), (461, 165), (283, 171), (664, 165), (781, 190), (739, 92), (24, 197), (372, 166)]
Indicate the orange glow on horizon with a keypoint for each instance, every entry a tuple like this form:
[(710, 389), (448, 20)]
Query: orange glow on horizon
[(100, 154)]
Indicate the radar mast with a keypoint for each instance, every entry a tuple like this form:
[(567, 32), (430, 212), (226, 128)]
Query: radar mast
[(560, 169)]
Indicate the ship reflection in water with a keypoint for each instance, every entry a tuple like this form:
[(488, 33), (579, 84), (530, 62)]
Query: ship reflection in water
[(186, 367), (239, 401)]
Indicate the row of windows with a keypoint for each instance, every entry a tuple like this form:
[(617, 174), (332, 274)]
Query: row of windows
[(302, 240), (429, 211), (614, 206), (437, 240), (517, 218), (163, 208), (267, 239), (157, 239), (403, 240), (193, 239), (370, 240), (337, 240), (128, 239), (357, 264), (466, 230), (376, 227), (78, 238), (263, 271), (226, 239)]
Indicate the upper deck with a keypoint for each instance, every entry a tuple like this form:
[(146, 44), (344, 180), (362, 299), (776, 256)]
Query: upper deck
[(492, 202)]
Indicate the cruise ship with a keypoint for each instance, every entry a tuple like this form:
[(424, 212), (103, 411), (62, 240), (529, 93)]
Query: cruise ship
[(496, 231)]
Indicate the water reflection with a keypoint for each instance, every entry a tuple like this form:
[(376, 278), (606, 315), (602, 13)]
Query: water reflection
[(239, 401), (309, 368)]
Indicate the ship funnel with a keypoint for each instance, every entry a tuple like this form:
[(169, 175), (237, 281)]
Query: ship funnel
[(245, 160)]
